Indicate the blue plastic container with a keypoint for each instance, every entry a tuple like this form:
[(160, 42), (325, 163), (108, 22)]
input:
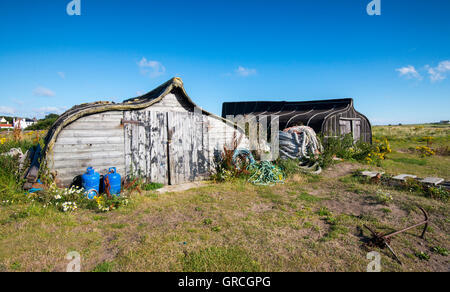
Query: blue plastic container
[(114, 182), (91, 182)]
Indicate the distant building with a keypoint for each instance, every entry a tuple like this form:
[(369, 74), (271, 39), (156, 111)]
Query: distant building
[(444, 122), (23, 123), (4, 124)]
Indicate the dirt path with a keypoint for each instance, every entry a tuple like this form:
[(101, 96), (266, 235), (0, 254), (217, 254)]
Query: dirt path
[(341, 169)]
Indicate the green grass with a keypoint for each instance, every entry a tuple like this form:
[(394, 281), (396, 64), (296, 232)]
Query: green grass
[(404, 139), (323, 211), (422, 256), (104, 267), (304, 196), (410, 161), (207, 221), (440, 250), (15, 266), (118, 225), (152, 186), (267, 193), (216, 259)]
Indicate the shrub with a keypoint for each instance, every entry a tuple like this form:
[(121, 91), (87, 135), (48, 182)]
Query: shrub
[(345, 148), (70, 199), (288, 166), (438, 192), (62, 199), (45, 123), (384, 197), (7, 144), (11, 180), (440, 250), (375, 153), (108, 203), (225, 168), (424, 151), (337, 147), (422, 256), (428, 140)]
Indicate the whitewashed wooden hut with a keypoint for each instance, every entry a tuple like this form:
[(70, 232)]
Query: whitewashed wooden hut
[(161, 136)]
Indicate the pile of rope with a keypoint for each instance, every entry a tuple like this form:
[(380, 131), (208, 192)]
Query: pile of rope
[(242, 156), (300, 142), (261, 173), (265, 173)]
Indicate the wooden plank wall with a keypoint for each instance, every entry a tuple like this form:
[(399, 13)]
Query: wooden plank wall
[(172, 102), (96, 140), (222, 134)]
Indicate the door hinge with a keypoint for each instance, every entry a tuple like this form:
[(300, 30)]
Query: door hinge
[(123, 122)]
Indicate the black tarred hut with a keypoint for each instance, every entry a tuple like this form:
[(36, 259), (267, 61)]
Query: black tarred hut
[(332, 118)]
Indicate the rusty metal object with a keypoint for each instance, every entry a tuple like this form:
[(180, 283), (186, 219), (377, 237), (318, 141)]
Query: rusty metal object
[(376, 179), (133, 186), (383, 240), (107, 187)]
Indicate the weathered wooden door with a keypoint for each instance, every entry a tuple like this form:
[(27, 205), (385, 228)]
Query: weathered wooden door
[(345, 127), (146, 145), (166, 147), (356, 130), (188, 147), (348, 126)]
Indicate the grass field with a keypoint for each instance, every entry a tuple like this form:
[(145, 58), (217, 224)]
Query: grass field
[(404, 140), (310, 223)]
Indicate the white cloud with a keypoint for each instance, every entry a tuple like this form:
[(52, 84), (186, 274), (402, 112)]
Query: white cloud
[(62, 75), (409, 72), (438, 73), (18, 101), (6, 110), (50, 110), (245, 72), (42, 91), (151, 68)]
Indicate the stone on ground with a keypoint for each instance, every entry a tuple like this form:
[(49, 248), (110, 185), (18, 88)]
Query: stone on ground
[(371, 173), (403, 177), (432, 180)]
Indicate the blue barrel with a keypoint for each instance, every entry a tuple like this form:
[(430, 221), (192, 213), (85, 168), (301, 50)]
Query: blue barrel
[(91, 182), (112, 182)]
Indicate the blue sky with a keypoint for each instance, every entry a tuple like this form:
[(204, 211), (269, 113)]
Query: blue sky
[(396, 66)]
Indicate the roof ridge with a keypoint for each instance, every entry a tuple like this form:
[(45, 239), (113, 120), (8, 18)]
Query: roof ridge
[(349, 99), (155, 93)]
